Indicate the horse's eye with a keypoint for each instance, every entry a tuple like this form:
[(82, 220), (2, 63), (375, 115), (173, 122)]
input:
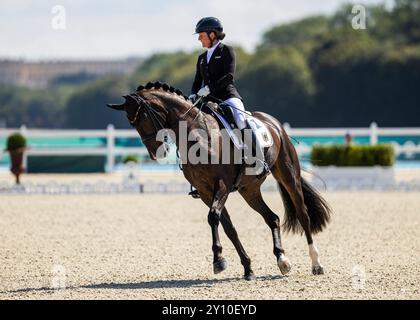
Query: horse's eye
[(145, 115)]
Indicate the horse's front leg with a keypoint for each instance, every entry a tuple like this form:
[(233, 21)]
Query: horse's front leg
[(220, 195)]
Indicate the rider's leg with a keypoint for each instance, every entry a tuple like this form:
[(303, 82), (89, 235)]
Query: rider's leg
[(261, 168), (239, 114), (238, 110)]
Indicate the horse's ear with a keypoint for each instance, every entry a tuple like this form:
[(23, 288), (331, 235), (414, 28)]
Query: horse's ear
[(119, 107)]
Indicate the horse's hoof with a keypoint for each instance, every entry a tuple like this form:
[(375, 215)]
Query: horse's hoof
[(250, 276), (219, 266), (316, 270), (284, 264)]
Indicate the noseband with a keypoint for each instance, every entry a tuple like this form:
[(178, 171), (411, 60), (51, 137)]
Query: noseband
[(156, 118)]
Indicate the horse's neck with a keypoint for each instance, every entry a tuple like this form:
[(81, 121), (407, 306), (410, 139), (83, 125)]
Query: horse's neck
[(188, 119), (192, 116)]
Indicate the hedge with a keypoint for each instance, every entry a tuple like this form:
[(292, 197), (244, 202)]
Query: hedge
[(353, 155), (15, 141), (130, 158)]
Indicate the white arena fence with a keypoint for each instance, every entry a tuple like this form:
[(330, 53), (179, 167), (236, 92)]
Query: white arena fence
[(110, 150), (131, 184), (172, 187)]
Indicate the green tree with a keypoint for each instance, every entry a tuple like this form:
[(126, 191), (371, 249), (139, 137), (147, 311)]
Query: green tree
[(303, 34), (34, 108), (406, 19), (360, 80), (87, 109), (278, 82), (177, 69), (296, 32)]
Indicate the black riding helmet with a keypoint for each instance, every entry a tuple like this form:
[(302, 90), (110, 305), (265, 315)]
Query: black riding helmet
[(208, 24)]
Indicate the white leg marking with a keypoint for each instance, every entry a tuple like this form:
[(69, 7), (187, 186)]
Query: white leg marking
[(314, 254), (284, 264)]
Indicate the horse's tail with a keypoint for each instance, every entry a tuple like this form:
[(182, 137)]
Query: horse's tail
[(318, 210)]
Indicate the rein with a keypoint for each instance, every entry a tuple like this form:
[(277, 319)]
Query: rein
[(155, 117)]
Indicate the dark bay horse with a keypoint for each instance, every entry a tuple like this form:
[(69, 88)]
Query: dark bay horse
[(158, 106)]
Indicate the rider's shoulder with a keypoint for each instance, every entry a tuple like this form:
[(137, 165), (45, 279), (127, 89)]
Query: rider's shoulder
[(202, 55), (227, 48)]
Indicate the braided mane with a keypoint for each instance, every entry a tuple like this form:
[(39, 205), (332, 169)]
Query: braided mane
[(162, 86)]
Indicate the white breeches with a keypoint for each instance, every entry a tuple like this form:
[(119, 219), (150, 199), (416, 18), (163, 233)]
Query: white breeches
[(238, 110)]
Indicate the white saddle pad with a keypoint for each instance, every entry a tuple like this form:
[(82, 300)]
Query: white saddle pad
[(236, 141), (261, 132)]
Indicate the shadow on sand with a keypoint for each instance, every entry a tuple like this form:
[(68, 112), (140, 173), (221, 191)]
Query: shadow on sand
[(159, 284)]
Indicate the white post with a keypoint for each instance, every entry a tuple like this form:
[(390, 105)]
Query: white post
[(373, 134), (110, 142), (24, 132)]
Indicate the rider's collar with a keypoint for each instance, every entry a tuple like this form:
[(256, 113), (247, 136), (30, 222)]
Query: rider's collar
[(214, 46), (211, 50)]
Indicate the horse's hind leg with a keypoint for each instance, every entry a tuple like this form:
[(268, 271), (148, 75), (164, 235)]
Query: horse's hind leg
[(289, 179), (233, 236), (254, 198)]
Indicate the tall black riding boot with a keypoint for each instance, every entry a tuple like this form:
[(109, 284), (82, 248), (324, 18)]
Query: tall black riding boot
[(254, 145)]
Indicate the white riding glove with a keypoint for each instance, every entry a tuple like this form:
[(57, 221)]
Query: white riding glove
[(192, 97), (204, 91)]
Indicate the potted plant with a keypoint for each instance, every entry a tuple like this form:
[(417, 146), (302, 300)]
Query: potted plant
[(357, 165), (130, 158), (16, 146), (130, 163)]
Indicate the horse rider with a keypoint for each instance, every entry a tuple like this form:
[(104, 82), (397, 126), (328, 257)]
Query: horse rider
[(215, 76)]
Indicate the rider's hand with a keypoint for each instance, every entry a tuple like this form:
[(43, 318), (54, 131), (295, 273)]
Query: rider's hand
[(204, 91), (192, 97)]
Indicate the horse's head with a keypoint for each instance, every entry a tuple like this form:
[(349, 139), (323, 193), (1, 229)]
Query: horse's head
[(150, 118)]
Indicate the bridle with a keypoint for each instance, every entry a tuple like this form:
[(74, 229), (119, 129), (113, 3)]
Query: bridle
[(157, 120)]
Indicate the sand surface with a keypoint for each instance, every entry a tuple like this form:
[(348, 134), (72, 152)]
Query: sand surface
[(156, 246)]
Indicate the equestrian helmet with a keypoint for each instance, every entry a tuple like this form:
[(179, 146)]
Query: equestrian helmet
[(209, 24)]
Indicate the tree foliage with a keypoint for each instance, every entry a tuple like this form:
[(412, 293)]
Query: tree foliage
[(316, 71)]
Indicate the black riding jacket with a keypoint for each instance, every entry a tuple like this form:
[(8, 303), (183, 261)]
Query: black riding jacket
[(218, 74)]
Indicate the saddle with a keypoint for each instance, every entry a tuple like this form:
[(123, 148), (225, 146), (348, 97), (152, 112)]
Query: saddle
[(225, 110), (222, 112)]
